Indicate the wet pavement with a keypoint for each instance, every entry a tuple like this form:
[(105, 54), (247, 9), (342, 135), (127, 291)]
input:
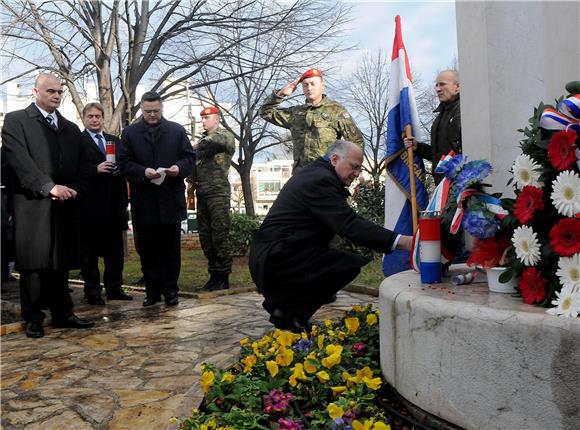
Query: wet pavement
[(138, 368)]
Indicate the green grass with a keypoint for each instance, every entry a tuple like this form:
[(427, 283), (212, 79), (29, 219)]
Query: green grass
[(194, 271)]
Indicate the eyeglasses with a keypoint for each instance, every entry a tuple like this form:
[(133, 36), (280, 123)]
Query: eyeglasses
[(151, 111)]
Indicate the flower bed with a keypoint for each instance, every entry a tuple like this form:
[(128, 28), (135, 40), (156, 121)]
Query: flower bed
[(326, 379)]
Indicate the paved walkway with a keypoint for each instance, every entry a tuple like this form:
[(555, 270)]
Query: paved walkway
[(136, 369)]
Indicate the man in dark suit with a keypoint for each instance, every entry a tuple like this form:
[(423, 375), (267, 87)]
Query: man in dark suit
[(290, 259), (104, 215), (44, 155), (156, 157)]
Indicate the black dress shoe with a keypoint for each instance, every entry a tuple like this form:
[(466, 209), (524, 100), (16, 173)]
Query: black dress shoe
[(72, 321), (34, 329), (221, 282), (150, 301), (119, 296), (288, 322), (171, 299), (96, 301)]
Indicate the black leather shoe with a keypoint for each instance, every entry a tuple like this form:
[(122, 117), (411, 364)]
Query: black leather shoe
[(171, 299), (150, 301), (119, 296), (95, 301), (221, 282), (209, 284), (34, 329), (72, 321), (291, 323)]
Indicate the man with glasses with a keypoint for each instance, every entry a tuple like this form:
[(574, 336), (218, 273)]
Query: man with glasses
[(43, 155), (290, 259), (156, 156)]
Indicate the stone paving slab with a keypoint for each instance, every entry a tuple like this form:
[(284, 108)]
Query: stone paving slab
[(136, 369)]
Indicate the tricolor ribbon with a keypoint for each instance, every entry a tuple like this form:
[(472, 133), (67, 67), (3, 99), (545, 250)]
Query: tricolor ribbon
[(493, 204), (565, 118)]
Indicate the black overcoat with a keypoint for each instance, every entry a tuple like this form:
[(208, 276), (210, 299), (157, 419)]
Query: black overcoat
[(309, 211), (46, 232), (143, 146), (105, 204)]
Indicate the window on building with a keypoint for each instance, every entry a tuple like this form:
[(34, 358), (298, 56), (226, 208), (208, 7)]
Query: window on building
[(268, 187)]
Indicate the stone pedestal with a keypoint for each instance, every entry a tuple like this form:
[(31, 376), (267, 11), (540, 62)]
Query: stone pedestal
[(512, 56), (479, 359)]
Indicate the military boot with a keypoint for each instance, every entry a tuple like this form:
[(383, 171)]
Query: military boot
[(222, 282), (212, 281)]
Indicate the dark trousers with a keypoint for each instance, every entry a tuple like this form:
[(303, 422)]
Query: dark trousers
[(50, 284), (109, 245), (303, 299), (160, 253), (213, 226)]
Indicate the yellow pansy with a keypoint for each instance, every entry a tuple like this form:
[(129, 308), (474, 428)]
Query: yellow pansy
[(373, 384), (333, 349), (286, 338), (272, 367), (244, 341), (331, 361), (338, 390), (328, 323), (357, 308), (352, 324), (314, 330), (365, 372), (227, 377), (334, 411), (207, 380), (284, 357), (310, 365), (341, 335), (367, 425), (249, 362), (256, 349), (350, 380), (320, 341), (297, 373), (379, 425), (372, 319), (323, 376)]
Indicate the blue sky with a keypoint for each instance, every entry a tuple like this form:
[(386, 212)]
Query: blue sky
[(429, 32)]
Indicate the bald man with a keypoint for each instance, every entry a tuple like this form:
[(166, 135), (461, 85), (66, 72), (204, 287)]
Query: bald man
[(446, 129), (43, 154)]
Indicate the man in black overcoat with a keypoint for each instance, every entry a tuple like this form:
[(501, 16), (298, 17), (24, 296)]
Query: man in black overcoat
[(156, 156), (104, 214), (47, 171), (290, 259)]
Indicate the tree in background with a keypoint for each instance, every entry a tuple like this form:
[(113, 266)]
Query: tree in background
[(119, 45), (307, 37)]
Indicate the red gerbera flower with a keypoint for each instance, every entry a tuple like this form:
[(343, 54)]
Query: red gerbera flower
[(487, 252), (533, 286), (528, 202), (562, 150), (565, 237)]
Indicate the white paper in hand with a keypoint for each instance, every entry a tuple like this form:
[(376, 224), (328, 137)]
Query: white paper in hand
[(161, 178)]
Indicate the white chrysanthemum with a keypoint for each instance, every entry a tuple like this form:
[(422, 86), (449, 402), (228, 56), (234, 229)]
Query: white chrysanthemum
[(567, 303), (569, 271), (526, 172), (527, 247), (566, 193)]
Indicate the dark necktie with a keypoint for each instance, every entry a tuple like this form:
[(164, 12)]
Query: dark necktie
[(100, 143), (50, 120)]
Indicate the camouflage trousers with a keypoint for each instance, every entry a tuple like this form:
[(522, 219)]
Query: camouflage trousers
[(213, 226)]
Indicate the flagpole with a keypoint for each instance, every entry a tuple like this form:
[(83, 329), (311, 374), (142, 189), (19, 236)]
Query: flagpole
[(411, 159)]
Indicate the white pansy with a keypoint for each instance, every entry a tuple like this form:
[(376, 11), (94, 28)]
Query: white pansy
[(526, 172), (566, 193), (569, 271), (567, 303), (526, 244)]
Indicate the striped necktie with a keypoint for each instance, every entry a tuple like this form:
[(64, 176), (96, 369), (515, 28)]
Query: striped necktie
[(100, 143), (51, 121)]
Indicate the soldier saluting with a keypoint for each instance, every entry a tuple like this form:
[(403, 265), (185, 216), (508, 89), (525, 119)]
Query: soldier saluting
[(315, 125)]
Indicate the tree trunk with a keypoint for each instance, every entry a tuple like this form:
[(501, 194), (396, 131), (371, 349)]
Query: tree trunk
[(244, 172)]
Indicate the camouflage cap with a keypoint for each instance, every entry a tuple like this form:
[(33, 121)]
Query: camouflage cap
[(311, 73), (210, 110)]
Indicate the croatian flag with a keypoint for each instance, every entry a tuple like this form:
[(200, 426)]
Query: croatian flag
[(402, 112)]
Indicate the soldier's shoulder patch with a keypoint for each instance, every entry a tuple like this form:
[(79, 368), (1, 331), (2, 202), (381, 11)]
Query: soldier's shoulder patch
[(346, 115)]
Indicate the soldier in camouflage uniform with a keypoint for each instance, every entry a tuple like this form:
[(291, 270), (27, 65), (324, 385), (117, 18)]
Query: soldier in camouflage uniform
[(315, 125), (214, 154)]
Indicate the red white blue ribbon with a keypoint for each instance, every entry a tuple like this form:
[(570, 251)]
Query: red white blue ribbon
[(565, 118)]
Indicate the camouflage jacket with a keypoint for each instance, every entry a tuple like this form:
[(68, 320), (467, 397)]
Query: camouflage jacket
[(214, 155), (313, 128)]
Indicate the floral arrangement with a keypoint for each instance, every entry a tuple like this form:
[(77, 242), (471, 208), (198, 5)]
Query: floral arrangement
[(539, 242), (326, 379)]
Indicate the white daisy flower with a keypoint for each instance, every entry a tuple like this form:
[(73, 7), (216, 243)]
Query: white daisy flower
[(566, 193), (569, 271), (526, 244), (526, 172), (567, 303)]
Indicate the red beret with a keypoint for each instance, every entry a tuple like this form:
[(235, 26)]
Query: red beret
[(210, 110), (310, 73)]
